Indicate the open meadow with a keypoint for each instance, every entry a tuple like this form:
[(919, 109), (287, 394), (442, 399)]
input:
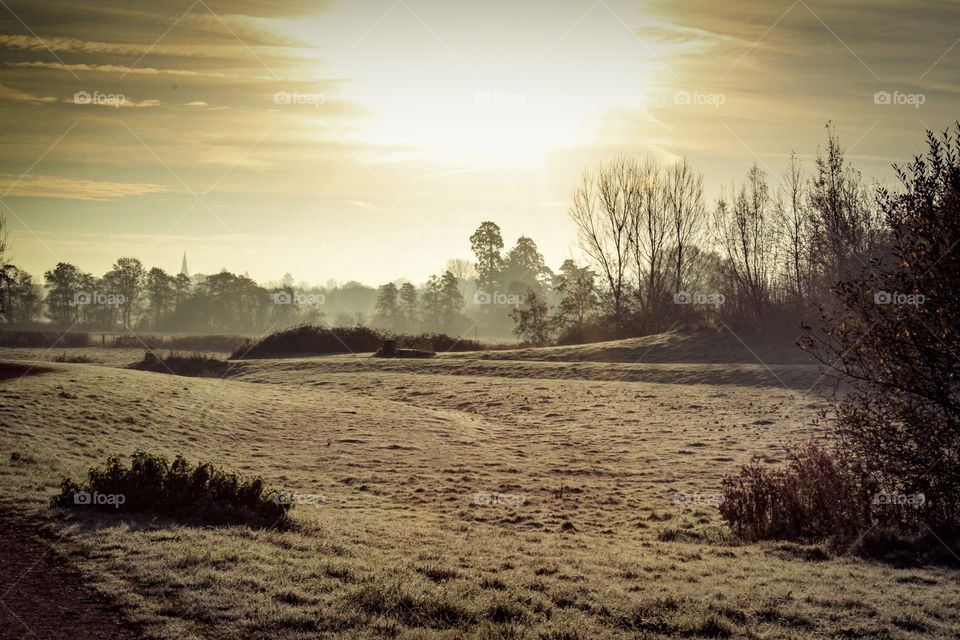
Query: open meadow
[(426, 320), (528, 494)]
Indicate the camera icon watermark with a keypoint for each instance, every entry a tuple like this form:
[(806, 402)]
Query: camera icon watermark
[(96, 499), (486, 498), (685, 297), (715, 100), (291, 498), (295, 98), (84, 298), (895, 297), (915, 100), (302, 299), (914, 500), (710, 500), (114, 100), (495, 297), (497, 99)]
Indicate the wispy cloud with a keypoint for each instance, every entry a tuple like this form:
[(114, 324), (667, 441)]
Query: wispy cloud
[(14, 95), (44, 186)]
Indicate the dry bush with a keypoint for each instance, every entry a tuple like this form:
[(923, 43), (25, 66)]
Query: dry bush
[(73, 359), (892, 334), (812, 498), (439, 342)]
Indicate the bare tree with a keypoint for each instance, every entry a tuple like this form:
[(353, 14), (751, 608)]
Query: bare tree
[(3, 240), (686, 215), (844, 227), (794, 220), (604, 206), (649, 235), (462, 268), (748, 234)]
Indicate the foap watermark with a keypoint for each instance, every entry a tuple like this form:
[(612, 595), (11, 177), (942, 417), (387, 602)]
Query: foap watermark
[(707, 499), (297, 99), (497, 99), (895, 297), (291, 497), (102, 99), (486, 498), (495, 297), (915, 100), (714, 100), (686, 297), (887, 498), (302, 299), (83, 298), (97, 499)]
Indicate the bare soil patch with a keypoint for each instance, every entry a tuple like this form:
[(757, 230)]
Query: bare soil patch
[(40, 599)]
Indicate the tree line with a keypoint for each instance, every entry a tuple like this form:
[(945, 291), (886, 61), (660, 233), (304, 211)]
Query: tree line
[(130, 297), (655, 256)]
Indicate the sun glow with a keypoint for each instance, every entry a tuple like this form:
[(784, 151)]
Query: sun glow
[(500, 97)]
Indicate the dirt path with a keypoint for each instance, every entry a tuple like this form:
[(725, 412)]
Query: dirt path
[(39, 599)]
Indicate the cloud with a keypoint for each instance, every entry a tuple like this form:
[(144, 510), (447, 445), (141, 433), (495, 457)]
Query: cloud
[(112, 68), (209, 21), (182, 50), (14, 95), (40, 186)]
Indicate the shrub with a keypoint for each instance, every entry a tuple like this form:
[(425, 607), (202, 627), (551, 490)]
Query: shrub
[(439, 342), (150, 483), (893, 333), (812, 498), (76, 359), (195, 365)]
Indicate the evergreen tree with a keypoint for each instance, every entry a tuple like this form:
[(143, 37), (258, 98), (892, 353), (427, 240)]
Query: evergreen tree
[(487, 243)]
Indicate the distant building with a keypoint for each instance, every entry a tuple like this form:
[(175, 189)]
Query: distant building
[(183, 266)]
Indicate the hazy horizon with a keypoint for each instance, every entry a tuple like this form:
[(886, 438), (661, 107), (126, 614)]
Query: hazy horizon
[(418, 120)]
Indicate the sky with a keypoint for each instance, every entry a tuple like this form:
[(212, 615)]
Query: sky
[(367, 139)]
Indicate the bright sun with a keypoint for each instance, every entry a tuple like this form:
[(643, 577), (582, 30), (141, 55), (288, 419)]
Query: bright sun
[(502, 97)]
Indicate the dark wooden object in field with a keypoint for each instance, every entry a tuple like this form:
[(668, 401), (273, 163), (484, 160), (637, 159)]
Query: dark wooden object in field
[(389, 350)]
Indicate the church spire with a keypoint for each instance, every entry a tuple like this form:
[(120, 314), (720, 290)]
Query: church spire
[(183, 266)]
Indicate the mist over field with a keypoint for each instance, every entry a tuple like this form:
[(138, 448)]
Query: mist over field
[(417, 319)]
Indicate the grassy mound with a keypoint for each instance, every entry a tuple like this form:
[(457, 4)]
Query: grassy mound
[(178, 489), (311, 339), (314, 340), (195, 365)]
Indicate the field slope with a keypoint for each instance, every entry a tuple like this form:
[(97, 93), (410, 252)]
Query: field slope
[(474, 495)]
